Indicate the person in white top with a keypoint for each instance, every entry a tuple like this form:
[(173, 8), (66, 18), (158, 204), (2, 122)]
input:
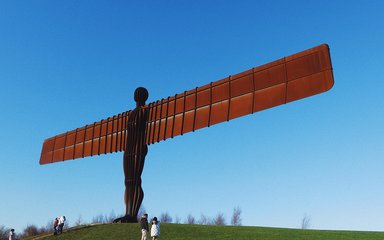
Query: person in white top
[(61, 224), (155, 229), (12, 235)]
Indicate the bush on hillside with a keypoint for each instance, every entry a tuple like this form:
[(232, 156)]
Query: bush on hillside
[(204, 220), (190, 219), (219, 219), (165, 218), (32, 230), (4, 233), (236, 216)]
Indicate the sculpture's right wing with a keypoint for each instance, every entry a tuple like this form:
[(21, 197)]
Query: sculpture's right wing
[(291, 78)]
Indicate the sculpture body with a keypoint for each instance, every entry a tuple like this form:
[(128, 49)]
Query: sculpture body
[(134, 157)]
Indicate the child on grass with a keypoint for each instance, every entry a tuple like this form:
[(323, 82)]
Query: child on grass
[(155, 229)]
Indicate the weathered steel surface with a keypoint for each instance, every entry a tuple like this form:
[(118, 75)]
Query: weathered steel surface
[(134, 157), (105, 136), (291, 78), (288, 79)]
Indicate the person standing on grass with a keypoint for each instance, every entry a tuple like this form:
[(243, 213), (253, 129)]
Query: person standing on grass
[(144, 226), (61, 224), (55, 225), (155, 229), (12, 235)]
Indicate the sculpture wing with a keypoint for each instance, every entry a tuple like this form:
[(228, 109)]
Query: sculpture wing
[(105, 136), (288, 79)]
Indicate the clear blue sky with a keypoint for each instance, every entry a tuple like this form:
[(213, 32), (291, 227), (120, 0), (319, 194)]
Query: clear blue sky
[(65, 64)]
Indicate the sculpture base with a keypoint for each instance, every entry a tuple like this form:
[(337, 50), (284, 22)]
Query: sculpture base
[(126, 219)]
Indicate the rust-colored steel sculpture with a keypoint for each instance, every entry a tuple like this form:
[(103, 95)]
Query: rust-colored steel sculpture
[(288, 79)]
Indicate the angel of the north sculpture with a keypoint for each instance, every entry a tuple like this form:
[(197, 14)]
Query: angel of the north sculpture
[(288, 79)]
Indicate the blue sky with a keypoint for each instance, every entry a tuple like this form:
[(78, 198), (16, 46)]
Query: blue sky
[(65, 64)]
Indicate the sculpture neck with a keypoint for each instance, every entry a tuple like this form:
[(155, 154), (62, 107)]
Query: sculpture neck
[(139, 104)]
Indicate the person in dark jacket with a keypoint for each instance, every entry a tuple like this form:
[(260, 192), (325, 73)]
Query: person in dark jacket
[(55, 226), (144, 226)]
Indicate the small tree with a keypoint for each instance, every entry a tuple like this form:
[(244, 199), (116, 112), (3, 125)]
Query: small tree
[(219, 219), (236, 216), (111, 217), (30, 230), (190, 219), (79, 221), (49, 226), (165, 218), (67, 223), (177, 220), (306, 222), (4, 233), (204, 220), (98, 219)]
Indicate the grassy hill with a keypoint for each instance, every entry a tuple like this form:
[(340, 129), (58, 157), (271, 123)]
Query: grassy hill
[(200, 232)]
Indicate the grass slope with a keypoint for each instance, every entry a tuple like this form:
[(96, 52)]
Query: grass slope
[(200, 232)]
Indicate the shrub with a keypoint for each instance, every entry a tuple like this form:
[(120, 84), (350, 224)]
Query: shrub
[(190, 219), (165, 218), (219, 219), (236, 216)]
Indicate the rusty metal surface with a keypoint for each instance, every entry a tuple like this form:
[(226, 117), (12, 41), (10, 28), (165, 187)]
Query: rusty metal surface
[(288, 79), (134, 157), (105, 136)]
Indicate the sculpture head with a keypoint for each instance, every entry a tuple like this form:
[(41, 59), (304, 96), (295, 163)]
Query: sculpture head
[(141, 95)]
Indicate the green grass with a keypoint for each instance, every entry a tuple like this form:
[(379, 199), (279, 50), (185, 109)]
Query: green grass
[(199, 232)]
